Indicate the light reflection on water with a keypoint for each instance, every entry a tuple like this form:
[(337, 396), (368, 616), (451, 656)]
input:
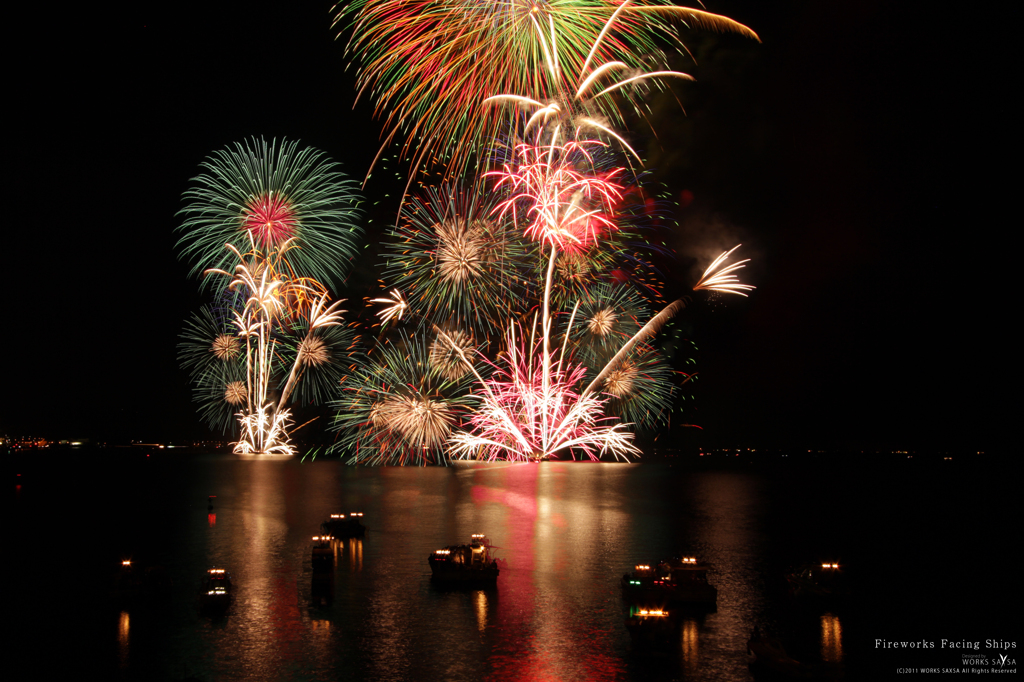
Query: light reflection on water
[(831, 639), (566, 531)]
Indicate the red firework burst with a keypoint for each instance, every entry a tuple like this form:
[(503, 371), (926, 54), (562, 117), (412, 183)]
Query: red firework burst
[(568, 205), (270, 219)]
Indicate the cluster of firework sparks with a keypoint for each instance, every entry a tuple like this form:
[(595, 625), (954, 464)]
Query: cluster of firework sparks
[(517, 320)]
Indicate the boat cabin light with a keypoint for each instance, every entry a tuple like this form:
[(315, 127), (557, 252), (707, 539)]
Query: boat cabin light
[(216, 571), (126, 562), (643, 567), (442, 551), (337, 516), (477, 536), (833, 565), (356, 514), (653, 612), (689, 560)]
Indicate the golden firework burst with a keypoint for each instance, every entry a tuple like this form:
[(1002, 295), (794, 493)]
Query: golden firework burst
[(313, 351), (421, 422), (234, 393), (602, 322), (224, 347), (463, 249), (620, 381), (445, 358)]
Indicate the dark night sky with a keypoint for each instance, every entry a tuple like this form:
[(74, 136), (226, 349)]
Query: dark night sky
[(856, 154)]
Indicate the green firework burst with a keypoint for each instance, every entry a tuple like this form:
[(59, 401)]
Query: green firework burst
[(259, 194)]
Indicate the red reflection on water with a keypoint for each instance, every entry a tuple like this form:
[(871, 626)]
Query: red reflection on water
[(285, 618), (212, 518), (515, 657), (537, 636)]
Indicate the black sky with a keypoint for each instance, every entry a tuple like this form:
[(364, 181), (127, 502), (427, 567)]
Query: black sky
[(861, 153)]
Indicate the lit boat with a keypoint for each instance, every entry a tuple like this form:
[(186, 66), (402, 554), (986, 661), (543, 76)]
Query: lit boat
[(216, 590), (678, 580), (823, 580), (470, 563), (129, 581), (650, 626), (341, 526), (323, 553)]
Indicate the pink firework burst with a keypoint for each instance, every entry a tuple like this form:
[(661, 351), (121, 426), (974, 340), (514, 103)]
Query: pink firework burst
[(569, 205), (270, 219), (527, 414)]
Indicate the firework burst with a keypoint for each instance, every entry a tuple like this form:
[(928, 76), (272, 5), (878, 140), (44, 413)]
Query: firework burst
[(641, 389), (211, 353), (565, 207), (454, 260), (447, 351), (431, 64), (607, 316), (273, 333), (225, 347), (530, 410), (266, 194), (235, 393), (399, 408), (724, 279)]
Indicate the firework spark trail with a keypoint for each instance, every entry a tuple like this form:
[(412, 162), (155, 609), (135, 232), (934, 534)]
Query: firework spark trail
[(724, 280), (396, 306), (264, 431), (650, 329)]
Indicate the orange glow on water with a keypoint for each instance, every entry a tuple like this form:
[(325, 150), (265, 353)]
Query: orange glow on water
[(831, 639), (123, 639)]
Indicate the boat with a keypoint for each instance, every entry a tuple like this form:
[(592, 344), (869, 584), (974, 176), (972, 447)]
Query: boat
[(341, 526), (650, 626), (323, 553), (470, 563), (818, 581), (766, 653), (216, 590), (678, 580)]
